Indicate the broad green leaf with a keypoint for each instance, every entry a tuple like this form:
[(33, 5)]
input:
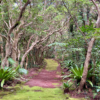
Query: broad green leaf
[(2, 82), (11, 60), (90, 82)]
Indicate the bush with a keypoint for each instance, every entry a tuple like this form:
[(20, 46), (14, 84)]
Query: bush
[(7, 74), (10, 73), (67, 63), (68, 84), (76, 73), (22, 71)]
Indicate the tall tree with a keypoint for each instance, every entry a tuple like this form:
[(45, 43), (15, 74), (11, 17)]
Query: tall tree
[(89, 50)]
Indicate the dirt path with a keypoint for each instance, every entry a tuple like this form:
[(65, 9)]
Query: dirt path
[(50, 77), (43, 85)]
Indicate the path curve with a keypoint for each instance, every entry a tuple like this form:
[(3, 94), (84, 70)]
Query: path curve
[(46, 79)]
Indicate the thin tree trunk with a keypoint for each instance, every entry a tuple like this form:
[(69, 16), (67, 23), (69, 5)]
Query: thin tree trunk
[(26, 53), (15, 47), (8, 53), (27, 49), (86, 64), (88, 56)]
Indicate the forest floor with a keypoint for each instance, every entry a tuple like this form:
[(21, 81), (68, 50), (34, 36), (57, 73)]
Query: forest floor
[(50, 77), (44, 84)]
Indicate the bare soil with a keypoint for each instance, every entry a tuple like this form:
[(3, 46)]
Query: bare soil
[(45, 79)]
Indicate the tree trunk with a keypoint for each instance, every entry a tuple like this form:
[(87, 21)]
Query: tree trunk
[(15, 47), (8, 53), (86, 64), (88, 56), (26, 53)]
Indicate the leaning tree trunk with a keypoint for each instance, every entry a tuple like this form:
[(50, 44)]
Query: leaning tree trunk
[(86, 64), (88, 56), (27, 52)]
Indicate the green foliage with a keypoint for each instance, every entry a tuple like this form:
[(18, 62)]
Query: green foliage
[(7, 74), (51, 9), (24, 1), (87, 28), (22, 71), (76, 73), (58, 44), (97, 33), (58, 18), (97, 79), (2, 82), (96, 73), (10, 73), (97, 90), (17, 69), (90, 82), (68, 84), (11, 61), (39, 19), (67, 63)]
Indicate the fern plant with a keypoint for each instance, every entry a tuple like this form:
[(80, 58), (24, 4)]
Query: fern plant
[(7, 74), (67, 84), (76, 73), (10, 73)]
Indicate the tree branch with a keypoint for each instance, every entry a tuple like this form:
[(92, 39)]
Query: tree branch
[(19, 18), (3, 36), (6, 24), (34, 44), (96, 6), (74, 19)]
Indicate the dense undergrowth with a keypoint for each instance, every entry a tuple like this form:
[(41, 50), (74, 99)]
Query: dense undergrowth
[(75, 74)]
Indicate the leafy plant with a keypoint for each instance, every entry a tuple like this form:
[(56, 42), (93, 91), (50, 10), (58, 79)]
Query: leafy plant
[(10, 73), (76, 73), (67, 84), (18, 69), (97, 90), (67, 63), (22, 71), (7, 74)]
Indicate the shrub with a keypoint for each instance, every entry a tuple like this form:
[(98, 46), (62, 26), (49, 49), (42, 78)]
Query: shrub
[(67, 84), (22, 71), (7, 74), (76, 73), (10, 73), (67, 63)]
